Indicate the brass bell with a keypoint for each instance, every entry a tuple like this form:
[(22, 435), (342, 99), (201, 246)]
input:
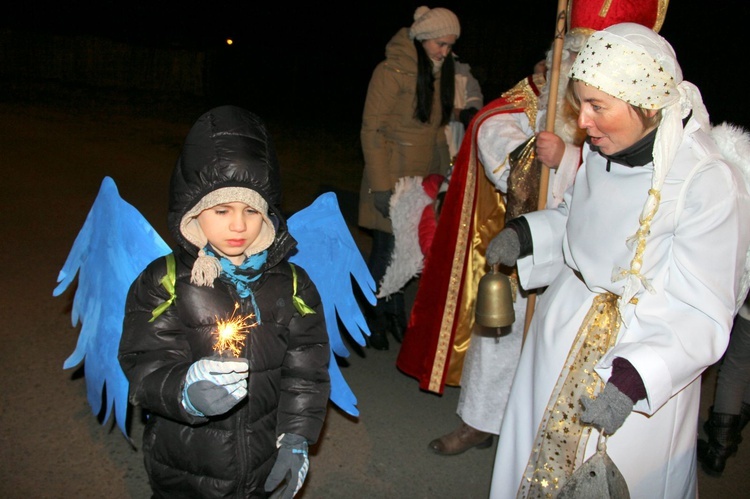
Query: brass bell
[(494, 306)]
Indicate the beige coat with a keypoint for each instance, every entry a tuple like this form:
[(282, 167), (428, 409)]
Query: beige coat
[(394, 143)]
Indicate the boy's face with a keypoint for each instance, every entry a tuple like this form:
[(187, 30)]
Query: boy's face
[(231, 228)]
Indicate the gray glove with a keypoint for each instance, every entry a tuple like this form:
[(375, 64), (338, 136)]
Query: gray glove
[(607, 411), (291, 466), (504, 248), (382, 201), (213, 385)]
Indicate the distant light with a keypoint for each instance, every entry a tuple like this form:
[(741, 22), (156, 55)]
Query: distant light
[(229, 41)]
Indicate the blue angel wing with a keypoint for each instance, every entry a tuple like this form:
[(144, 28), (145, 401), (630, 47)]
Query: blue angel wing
[(327, 251), (114, 245)]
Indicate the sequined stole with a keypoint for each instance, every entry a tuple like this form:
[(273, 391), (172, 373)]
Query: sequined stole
[(523, 180), (561, 440)]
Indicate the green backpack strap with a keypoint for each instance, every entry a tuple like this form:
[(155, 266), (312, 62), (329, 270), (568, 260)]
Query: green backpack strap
[(168, 282), (299, 303)]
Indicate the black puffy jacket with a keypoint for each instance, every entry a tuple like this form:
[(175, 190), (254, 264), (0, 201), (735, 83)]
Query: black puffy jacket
[(288, 386)]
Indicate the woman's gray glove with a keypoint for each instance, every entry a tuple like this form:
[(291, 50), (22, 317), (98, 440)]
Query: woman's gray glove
[(607, 411), (290, 467), (505, 248), (213, 385), (382, 201)]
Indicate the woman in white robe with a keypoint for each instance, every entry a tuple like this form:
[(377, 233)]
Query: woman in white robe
[(644, 260)]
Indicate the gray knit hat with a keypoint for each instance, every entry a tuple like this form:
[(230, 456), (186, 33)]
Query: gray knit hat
[(434, 23)]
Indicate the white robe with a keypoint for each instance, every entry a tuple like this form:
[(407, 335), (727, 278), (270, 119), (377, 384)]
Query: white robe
[(694, 258), (491, 360)]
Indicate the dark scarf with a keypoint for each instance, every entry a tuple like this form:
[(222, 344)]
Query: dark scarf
[(639, 154)]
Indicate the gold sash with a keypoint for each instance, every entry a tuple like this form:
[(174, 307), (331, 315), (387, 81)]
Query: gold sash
[(561, 440)]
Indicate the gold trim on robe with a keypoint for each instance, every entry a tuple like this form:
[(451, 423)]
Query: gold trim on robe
[(482, 218)]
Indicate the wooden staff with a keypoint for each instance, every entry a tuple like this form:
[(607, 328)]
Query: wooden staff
[(550, 127)]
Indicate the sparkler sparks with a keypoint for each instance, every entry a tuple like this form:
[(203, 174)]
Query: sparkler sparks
[(231, 333)]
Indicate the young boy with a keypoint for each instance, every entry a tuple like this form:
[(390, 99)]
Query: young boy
[(225, 423)]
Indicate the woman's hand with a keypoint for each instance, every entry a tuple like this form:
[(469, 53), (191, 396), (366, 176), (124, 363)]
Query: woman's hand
[(608, 411), (504, 248)]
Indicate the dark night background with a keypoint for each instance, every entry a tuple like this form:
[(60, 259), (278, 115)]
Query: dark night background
[(314, 59)]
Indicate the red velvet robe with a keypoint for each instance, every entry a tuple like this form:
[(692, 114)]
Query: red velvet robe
[(473, 212)]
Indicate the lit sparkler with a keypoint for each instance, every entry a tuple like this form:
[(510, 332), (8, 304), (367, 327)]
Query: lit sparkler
[(231, 333)]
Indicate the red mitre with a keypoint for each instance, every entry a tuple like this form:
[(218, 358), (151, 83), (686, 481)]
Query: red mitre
[(588, 16)]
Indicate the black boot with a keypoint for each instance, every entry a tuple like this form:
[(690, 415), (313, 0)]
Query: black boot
[(397, 327), (380, 256), (378, 340), (378, 330), (723, 432), (378, 325), (744, 418)]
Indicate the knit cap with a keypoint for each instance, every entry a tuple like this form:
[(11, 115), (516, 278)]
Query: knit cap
[(434, 23)]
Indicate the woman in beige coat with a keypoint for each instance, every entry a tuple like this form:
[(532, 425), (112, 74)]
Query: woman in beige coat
[(409, 102)]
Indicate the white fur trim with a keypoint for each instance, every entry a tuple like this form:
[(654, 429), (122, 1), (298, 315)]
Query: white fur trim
[(407, 204)]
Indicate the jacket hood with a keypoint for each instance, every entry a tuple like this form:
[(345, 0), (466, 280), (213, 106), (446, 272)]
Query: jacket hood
[(400, 53), (227, 147)]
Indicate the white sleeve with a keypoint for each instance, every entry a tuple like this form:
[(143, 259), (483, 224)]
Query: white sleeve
[(547, 261), (497, 137)]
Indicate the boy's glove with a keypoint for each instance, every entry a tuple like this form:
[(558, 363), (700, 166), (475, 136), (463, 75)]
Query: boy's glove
[(505, 248), (607, 411), (213, 385), (291, 465), (382, 200)]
